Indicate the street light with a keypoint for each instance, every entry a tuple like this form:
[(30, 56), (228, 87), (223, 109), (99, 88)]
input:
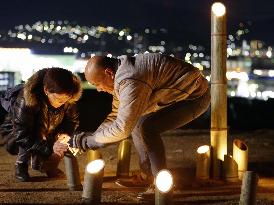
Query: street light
[(164, 186), (93, 182)]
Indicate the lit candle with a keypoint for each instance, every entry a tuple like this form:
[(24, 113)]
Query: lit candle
[(203, 162), (93, 182), (164, 188)]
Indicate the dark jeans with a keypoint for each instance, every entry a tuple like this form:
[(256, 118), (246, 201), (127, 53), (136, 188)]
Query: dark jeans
[(146, 134), (37, 162)]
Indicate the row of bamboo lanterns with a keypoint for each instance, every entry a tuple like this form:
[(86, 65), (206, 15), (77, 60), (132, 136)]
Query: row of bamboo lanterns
[(232, 167), (93, 179)]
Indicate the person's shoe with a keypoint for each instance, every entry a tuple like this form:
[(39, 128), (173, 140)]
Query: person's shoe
[(135, 181), (21, 172), (148, 194), (55, 173)]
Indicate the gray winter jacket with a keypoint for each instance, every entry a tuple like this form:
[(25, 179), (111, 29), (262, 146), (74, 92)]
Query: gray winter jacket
[(144, 84)]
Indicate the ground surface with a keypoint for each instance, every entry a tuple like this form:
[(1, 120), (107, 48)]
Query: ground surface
[(180, 151)]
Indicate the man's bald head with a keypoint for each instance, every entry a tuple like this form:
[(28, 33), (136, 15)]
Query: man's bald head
[(95, 65), (99, 63), (100, 71)]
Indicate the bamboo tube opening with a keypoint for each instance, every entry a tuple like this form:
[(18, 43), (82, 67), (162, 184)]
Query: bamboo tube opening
[(240, 144)]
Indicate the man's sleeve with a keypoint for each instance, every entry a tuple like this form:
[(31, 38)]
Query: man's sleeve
[(112, 115), (133, 99)]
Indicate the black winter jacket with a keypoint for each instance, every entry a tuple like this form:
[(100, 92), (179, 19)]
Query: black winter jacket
[(33, 123)]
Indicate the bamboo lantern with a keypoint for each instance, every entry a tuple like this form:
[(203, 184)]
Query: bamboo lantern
[(218, 88), (93, 181), (164, 188), (230, 169), (203, 162), (123, 159), (240, 154)]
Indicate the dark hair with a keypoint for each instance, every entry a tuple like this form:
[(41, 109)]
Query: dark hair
[(59, 80), (108, 62)]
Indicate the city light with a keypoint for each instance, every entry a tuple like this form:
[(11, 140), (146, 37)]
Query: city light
[(269, 53), (240, 53), (121, 33)]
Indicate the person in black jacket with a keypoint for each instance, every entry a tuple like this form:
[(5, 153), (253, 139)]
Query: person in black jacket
[(43, 112)]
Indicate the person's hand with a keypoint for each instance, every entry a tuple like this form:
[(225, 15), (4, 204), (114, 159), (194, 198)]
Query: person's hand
[(76, 141), (84, 142), (63, 138), (60, 148)]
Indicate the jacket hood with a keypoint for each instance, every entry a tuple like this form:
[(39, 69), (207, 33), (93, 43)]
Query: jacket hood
[(33, 89)]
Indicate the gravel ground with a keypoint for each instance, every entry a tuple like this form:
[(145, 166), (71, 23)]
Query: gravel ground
[(180, 152)]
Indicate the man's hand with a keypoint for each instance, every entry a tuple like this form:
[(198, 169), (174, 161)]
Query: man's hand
[(84, 142), (76, 141), (60, 148)]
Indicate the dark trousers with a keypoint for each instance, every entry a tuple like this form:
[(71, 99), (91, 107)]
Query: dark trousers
[(146, 134), (37, 162)]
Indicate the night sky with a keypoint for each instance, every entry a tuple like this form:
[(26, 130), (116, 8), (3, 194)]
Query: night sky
[(192, 17)]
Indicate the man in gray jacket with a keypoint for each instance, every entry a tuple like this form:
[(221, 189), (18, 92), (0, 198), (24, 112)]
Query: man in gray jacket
[(152, 93)]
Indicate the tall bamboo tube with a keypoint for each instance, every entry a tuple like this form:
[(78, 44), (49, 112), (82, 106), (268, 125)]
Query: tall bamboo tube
[(218, 88)]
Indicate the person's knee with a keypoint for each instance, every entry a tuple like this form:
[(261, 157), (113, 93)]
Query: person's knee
[(145, 132), (143, 127), (147, 129)]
